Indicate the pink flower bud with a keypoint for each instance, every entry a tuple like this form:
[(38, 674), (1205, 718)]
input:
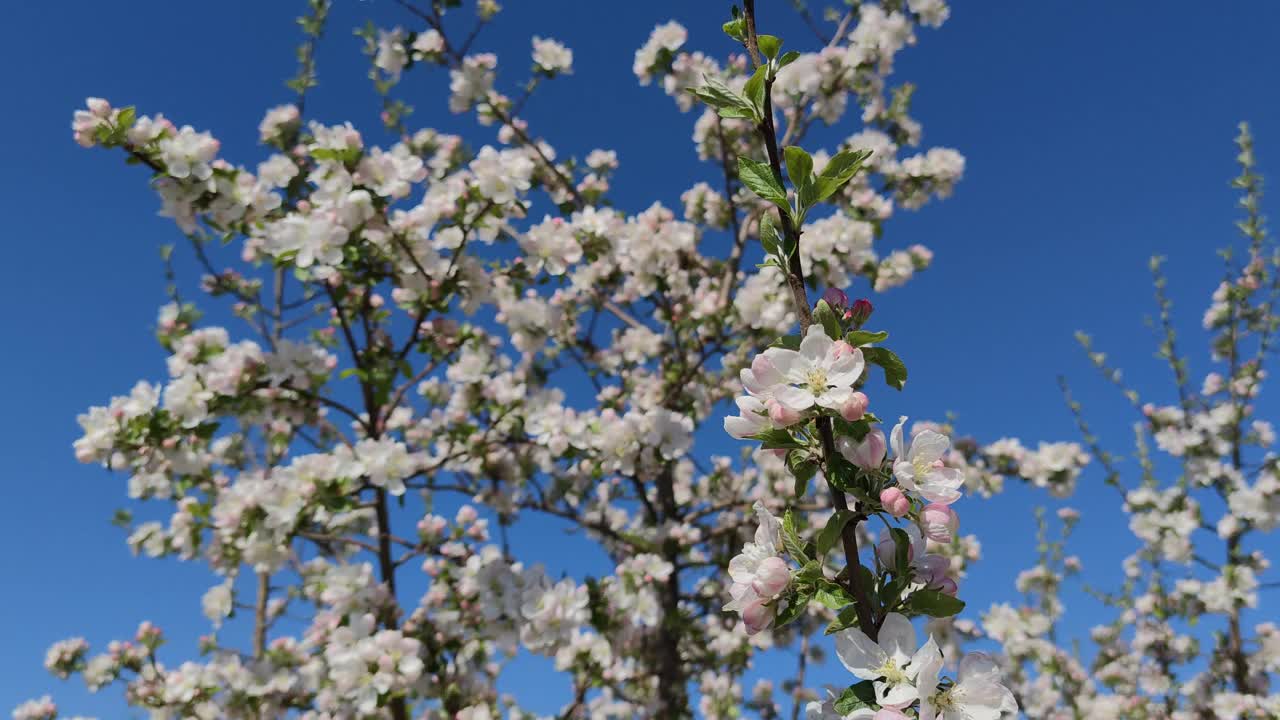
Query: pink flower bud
[(939, 522), (839, 349), (781, 415), (772, 577), (889, 714), (931, 569), (867, 454), (947, 585), (756, 617), (836, 298), (894, 502), (861, 312), (855, 407)]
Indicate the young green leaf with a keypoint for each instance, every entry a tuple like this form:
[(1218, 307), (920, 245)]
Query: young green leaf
[(895, 371), (830, 321), (791, 538), (799, 169), (769, 234), (838, 171), (759, 177), (856, 697), (933, 603), (777, 439), (857, 338), (754, 90), (769, 45), (788, 58), (830, 534), (901, 552)]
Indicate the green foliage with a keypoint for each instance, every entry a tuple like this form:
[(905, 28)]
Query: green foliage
[(933, 603), (895, 371)]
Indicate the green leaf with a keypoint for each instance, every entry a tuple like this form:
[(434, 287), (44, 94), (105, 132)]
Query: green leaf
[(895, 371), (718, 95), (901, 552), (754, 91), (830, 534), (803, 469), (760, 179), (735, 113), (858, 338), (838, 171), (126, 117), (777, 439), (769, 45), (788, 58), (933, 603), (830, 321), (788, 342), (856, 697), (769, 234), (846, 618), (796, 604), (831, 594), (736, 29), (799, 169), (791, 538)]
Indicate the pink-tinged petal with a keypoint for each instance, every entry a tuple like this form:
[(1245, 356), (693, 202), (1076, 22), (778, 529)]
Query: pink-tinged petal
[(898, 638), (788, 363), (847, 369), (794, 398), (940, 495), (765, 371), (815, 345), (859, 654)]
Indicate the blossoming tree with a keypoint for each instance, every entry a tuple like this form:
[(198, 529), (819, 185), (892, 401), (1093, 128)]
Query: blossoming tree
[(413, 335)]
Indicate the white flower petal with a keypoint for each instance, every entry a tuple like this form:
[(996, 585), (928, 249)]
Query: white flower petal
[(847, 369), (815, 345), (859, 654), (898, 638), (794, 398)]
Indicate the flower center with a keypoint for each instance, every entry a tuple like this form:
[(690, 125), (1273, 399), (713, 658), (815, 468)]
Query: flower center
[(892, 673), (943, 700), (817, 380)]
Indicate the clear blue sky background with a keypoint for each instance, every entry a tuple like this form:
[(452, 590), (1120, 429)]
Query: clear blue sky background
[(1097, 133)]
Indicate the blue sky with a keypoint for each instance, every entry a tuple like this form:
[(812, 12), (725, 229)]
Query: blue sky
[(1097, 134)]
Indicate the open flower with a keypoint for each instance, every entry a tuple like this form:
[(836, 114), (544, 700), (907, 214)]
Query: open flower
[(892, 663), (821, 372), (976, 695), (919, 467)]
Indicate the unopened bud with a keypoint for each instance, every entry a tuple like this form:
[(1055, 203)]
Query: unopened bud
[(756, 616), (836, 298), (854, 407), (861, 312), (939, 522), (894, 502), (772, 577)]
